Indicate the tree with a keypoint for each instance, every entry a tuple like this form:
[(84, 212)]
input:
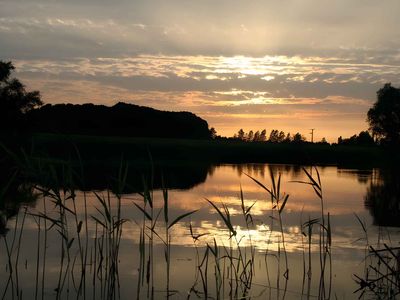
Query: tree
[(365, 139), (256, 136), (323, 141), (298, 138), (362, 139), (213, 133), (288, 138), (274, 136), (250, 136), (240, 134), (281, 137), (384, 116), (263, 135), (15, 101)]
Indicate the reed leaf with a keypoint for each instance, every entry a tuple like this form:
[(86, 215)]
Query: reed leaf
[(79, 227), (312, 179), (260, 184), (143, 211), (106, 209), (283, 204), (98, 221), (69, 245), (180, 218), (226, 218)]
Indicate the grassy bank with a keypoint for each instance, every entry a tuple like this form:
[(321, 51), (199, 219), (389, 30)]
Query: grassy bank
[(212, 151)]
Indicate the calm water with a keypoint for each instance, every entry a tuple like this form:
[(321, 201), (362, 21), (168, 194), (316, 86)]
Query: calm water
[(35, 253)]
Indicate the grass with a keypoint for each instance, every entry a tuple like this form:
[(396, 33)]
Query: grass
[(212, 151)]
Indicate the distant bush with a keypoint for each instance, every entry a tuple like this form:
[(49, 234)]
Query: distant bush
[(362, 139)]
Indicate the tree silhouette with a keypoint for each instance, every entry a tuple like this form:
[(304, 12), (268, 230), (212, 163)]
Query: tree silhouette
[(274, 136), (250, 136), (281, 137), (240, 134), (15, 101), (213, 133), (298, 138), (384, 116), (362, 139), (263, 135), (288, 138)]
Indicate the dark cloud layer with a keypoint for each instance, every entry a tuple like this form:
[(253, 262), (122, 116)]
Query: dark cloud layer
[(224, 27)]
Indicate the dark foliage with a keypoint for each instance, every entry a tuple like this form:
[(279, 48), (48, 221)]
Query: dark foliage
[(384, 116), (15, 101), (121, 119), (362, 139)]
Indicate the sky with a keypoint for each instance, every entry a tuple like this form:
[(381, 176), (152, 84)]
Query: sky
[(290, 65)]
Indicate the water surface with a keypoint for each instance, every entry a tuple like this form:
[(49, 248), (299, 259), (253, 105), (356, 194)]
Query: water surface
[(350, 196)]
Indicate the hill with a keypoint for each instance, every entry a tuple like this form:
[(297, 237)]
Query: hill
[(121, 119)]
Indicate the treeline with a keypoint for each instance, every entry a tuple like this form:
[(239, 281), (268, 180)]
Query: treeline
[(121, 119), (275, 136), (364, 138)]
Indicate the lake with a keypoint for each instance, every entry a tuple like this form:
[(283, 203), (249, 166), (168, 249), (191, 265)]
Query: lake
[(238, 243)]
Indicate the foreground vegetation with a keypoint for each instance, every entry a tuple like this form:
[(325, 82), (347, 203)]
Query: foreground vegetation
[(89, 244)]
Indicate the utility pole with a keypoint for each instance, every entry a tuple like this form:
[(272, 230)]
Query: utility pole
[(312, 135)]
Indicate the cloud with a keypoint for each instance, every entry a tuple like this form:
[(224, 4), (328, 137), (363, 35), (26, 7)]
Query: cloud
[(118, 28), (289, 77)]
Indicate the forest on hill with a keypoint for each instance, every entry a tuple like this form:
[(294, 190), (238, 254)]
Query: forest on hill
[(122, 119)]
